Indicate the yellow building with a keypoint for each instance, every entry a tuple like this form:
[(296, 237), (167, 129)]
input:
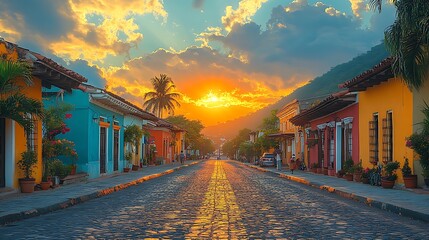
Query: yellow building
[(385, 116), (291, 137), (46, 73)]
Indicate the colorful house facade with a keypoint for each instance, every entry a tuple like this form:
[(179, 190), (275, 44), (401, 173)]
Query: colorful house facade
[(13, 140), (331, 131), (291, 139), (386, 116), (97, 127), (168, 140)]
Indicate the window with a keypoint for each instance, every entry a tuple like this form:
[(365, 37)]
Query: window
[(331, 147), (388, 137), (373, 139), (349, 140), (322, 148), (31, 136)]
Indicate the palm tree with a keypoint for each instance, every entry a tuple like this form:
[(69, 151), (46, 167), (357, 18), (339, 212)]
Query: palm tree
[(13, 103), (162, 98), (408, 40)]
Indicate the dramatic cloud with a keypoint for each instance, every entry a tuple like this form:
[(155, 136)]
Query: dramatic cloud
[(243, 14), (300, 38), (358, 7), (223, 82), (90, 30)]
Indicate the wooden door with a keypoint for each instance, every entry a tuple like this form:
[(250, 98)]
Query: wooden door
[(103, 143), (115, 150)]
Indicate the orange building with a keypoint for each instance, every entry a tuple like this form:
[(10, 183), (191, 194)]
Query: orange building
[(13, 140), (168, 141)]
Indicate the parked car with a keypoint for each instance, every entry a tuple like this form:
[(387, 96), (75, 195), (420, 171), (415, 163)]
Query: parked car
[(267, 159)]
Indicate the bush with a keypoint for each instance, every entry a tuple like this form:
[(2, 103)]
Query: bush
[(406, 170), (390, 171), (59, 169), (27, 163), (348, 166)]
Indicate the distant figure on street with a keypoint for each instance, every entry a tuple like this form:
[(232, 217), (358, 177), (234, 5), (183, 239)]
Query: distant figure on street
[(182, 157), (279, 161), (292, 163)]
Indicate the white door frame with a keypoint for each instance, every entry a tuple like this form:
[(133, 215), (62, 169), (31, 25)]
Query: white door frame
[(338, 148)]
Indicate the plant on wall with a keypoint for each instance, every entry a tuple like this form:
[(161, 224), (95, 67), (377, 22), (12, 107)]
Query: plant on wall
[(132, 135), (419, 142)]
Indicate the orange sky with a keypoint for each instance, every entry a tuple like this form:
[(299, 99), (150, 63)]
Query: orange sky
[(228, 58)]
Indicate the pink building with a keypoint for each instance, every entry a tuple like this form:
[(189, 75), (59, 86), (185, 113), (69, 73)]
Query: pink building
[(331, 131)]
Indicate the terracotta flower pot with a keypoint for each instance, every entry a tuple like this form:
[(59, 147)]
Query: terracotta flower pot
[(357, 177), (365, 180), (387, 183), (27, 185), (348, 177), (314, 170), (135, 167), (73, 170), (410, 181), (325, 171), (45, 185), (126, 169)]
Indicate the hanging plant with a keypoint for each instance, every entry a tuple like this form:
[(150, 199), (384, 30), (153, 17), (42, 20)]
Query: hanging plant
[(133, 134)]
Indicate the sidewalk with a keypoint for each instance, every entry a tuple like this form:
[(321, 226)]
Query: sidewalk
[(405, 202), (18, 206)]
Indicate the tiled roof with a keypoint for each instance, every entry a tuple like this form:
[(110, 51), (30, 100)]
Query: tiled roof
[(379, 73), (52, 64), (327, 106), (50, 72)]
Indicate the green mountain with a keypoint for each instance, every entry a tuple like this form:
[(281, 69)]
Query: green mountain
[(321, 86)]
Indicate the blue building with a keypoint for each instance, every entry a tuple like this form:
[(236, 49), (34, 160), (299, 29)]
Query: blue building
[(97, 127)]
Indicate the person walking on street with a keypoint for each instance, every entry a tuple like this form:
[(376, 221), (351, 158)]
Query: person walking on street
[(182, 157), (292, 163)]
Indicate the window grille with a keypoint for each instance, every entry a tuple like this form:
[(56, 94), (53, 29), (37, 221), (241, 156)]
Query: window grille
[(331, 147), (373, 140), (31, 135), (348, 140), (388, 138)]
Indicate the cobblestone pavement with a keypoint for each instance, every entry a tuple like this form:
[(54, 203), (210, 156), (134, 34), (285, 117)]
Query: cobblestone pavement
[(218, 200)]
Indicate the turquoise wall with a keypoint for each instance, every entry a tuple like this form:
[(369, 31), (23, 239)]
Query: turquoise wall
[(85, 132)]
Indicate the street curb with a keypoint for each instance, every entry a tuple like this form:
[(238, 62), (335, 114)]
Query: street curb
[(14, 217), (368, 201)]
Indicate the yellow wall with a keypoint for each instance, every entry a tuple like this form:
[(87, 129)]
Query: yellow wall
[(35, 92), (393, 96), (285, 114), (420, 97)]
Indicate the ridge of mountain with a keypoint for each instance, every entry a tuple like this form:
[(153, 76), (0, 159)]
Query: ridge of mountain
[(320, 86)]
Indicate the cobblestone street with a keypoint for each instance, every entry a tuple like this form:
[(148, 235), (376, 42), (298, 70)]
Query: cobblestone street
[(218, 199)]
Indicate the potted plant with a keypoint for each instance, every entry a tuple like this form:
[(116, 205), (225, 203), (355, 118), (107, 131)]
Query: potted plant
[(128, 157), (314, 167), (341, 173), (389, 174), (26, 164), (331, 171), (46, 176), (325, 171), (365, 175), (357, 172), (348, 169), (410, 180)]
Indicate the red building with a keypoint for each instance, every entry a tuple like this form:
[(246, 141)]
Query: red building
[(164, 137), (331, 130)]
